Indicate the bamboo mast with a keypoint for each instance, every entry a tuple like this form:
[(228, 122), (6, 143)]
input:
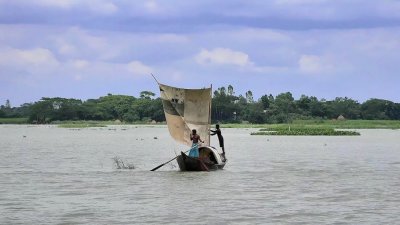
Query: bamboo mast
[(155, 79), (209, 117)]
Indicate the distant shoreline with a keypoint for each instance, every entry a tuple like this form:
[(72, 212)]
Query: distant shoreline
[(334, 124)]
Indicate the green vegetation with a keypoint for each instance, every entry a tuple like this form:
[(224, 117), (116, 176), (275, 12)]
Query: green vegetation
[(127, 109), (351, 124), (226, 108), (334, 124), (304, 131), (80, 124), (77, 125), (91, 123), (283, 108), (13, 120)]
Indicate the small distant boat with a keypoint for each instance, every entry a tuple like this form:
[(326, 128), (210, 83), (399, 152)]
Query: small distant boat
[(185, 110)]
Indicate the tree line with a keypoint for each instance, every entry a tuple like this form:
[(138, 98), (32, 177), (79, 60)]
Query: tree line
[(226, 107)]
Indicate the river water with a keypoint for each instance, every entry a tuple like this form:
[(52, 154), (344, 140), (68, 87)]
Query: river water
[(51, 175)]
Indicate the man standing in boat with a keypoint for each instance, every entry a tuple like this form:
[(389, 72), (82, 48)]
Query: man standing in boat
[(194, 151), (217, 132)]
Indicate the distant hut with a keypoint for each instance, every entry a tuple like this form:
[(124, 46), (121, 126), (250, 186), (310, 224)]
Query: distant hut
[(341, 117)]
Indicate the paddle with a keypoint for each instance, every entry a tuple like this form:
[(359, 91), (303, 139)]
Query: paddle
[(158, 167)]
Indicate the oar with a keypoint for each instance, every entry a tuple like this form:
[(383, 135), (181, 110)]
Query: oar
[(158, 167)]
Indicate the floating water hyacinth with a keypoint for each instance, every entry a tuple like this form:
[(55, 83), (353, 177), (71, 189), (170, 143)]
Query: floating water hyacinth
[(305, 131)]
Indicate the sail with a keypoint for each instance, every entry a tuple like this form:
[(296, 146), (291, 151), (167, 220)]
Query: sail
[(187, 109)]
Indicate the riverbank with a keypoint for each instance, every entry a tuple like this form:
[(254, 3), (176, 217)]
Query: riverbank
[(13, 120), (325, 124), (317, 124)]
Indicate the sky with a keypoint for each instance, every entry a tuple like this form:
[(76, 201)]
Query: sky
[(85, 49)]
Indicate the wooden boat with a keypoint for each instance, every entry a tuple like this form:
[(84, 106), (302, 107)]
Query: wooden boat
[(209, 159), (185, 110)]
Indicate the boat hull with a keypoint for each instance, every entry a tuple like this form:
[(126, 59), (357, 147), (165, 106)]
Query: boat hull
[(209, 160)]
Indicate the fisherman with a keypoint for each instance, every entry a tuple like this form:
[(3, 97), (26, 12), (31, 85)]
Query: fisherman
[(217, 132), (194, 151)]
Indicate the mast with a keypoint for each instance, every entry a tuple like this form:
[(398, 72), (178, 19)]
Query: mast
[(155, 79), (209, 117)]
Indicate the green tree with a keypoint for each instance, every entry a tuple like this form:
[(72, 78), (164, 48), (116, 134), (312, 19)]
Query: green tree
[(304, 105), (226, 107), (347, 107), (41, 111), (50, 109), (317, 108), (220, 92), (8, 104), (147, 94), (230, 90), (255, 113), (284, 107), (265, 101), (249, 97), (375, 109), (392, 110), (143, 108), (113, 107)]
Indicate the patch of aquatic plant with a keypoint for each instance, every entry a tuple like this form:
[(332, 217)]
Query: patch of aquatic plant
[(296, 128), (81, 124), (305, 131)]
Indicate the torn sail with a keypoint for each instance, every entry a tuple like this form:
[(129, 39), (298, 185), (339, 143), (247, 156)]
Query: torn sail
[(187, 109)]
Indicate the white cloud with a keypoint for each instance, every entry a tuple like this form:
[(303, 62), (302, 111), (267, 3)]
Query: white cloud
[(151, 6), (269, 69), (58, 3), (80, 64), (76, 42), (83, 69), (223, 56), (176, 76), (106, 8), (138, 68), (78, 77), (389, 9), (66, 49), (99, 6), (36, 57), (310, 64), (313, 64)]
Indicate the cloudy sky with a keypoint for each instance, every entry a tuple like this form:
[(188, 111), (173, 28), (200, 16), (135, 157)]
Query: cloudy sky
[(88, 48)]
